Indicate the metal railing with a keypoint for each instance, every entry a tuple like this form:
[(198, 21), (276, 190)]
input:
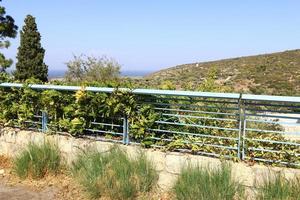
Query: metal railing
[(247, 127), (271, 129)]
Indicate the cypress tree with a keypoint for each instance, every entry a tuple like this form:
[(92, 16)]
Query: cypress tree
[(31, 53)]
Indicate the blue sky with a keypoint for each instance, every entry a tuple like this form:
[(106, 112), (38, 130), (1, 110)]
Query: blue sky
[(150, 35)]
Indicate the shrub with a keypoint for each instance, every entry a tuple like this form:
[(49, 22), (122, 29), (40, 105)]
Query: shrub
[(203, 183), (89, 68), (278, 187), (112, 174), (37, 161)]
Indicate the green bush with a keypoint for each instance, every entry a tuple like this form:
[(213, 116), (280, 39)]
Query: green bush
[(112, 174), (77, 112), (199, 183), (37, 161), (277, 187)]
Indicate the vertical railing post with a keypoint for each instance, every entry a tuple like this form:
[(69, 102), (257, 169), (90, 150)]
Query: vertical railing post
[(127, 138), (44, 121), (125, 131), (240, 126), (244, 125)]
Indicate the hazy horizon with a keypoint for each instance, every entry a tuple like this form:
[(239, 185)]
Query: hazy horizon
[(58, 73)]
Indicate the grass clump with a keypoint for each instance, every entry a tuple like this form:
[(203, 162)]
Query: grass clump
[(199, 183), (37, 161), (277, 187), (112, 174)]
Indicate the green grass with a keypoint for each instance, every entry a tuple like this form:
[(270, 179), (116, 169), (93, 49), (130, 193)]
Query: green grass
[(113, 174), (277, 187), (37, 161), (199, 183)]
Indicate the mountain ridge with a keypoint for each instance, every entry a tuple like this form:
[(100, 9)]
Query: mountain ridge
[(271, 73)]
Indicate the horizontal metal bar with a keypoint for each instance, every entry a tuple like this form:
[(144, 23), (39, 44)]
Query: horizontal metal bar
[(101, 139), (106, 124), (206, 153), (271, 116), (190, 99), (101, 131), (273, 122), (269, 150), (34, 127), (52, 125), (274, 141), (248, 97), (197, 143), (111, 117), (269, 131), (161, 139), (271, 111), (190, 142), (193, 134), (33, 122), (270, 105), (196, 125), (197, 152), (251, 97), (192, 106), (273, 161), (195, 111), (199, 117), (134, 91)]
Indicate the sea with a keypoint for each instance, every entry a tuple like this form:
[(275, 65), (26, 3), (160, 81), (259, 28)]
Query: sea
[(125, 73)]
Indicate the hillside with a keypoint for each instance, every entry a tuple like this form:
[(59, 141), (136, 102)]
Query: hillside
[(276, 73)]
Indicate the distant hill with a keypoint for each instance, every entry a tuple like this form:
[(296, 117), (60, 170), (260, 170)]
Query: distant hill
[(275, 73)]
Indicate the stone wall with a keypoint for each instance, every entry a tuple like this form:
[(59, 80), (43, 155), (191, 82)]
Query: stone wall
[(168, 164)]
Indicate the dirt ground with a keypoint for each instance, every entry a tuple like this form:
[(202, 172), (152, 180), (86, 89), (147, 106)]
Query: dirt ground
[(58, 187), (52, 187), (19, 192)]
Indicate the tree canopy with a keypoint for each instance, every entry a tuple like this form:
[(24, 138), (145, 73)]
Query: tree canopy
[(8, 29), (31, 53), (88, 68)]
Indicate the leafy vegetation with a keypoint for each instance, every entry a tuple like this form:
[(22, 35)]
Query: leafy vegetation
[(87, 69), (277, 187), (197, 182), (74, 112), (112, 174), (8, 29), (274, 74), (37, 161), (30, 54), (84, 113)]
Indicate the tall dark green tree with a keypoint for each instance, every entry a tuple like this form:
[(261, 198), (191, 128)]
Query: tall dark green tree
[(31, 53), (8, 29)]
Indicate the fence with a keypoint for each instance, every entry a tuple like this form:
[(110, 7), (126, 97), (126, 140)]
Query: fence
[(247, 127)]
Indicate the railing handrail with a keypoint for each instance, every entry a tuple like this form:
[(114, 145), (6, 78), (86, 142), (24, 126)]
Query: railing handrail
[(134, 91), (273, 98)]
